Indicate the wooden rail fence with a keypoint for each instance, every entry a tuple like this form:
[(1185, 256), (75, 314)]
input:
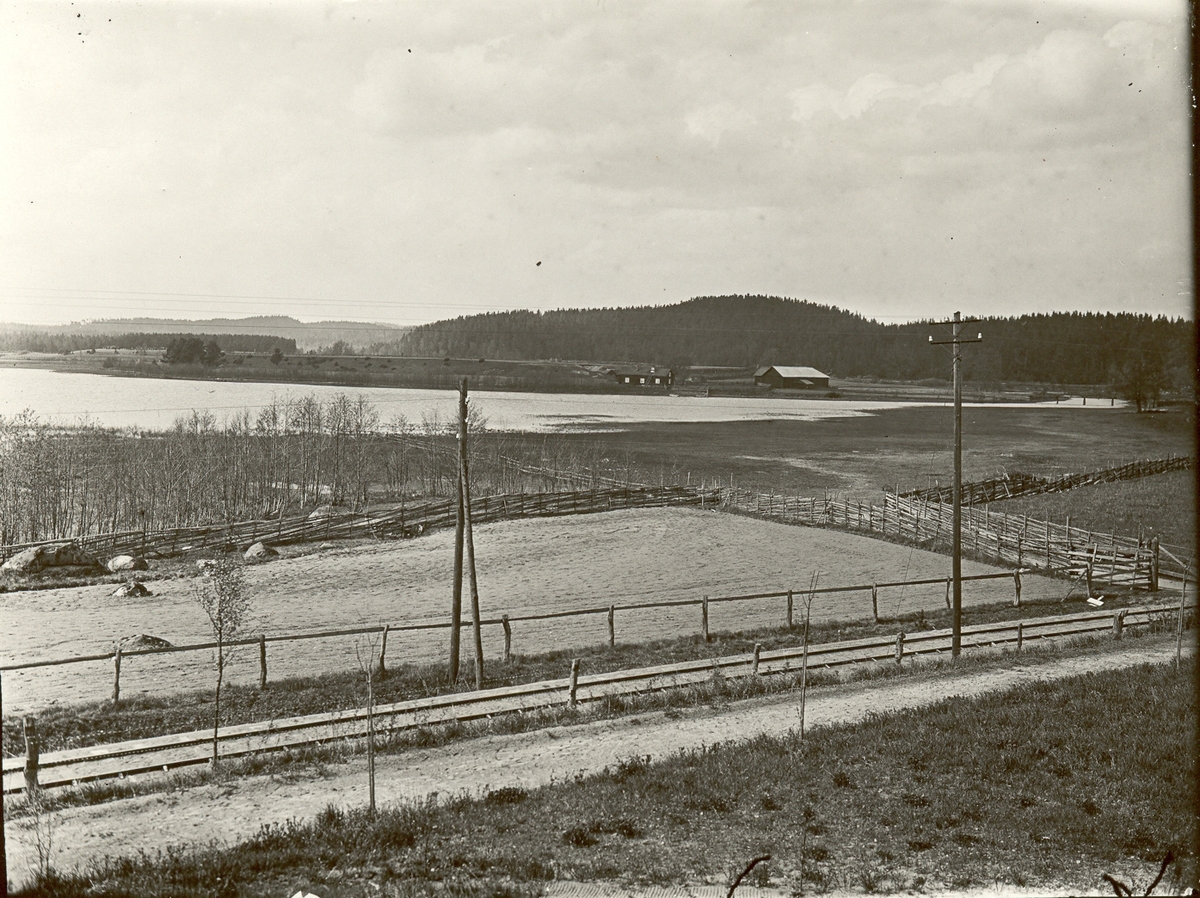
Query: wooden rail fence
[(117, 655), (72, 766), (406, 520), (1010, 486), (1103, 559)]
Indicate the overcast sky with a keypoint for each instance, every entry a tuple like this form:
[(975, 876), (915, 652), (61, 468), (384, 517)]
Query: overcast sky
[(404, 162)]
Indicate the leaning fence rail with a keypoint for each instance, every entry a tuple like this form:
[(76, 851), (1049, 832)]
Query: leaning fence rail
[(406, 520), (72, 766), (987, 535), (1105, 559), (1010, 486)]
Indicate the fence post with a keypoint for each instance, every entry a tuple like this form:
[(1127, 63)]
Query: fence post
[(1088, 574), (1020, 635), (1154, 564), (116, 693), (262, 662), (900, 647), (507, 639), (875, 602), (383, 652), (789, 616), (612, 626), (1020, 559), (948, 608), (757, 655), (32, 752), (1118, 624), (573, 693), (704, 619), (1017, 588)]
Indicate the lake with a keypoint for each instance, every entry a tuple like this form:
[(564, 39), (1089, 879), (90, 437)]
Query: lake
[(154, 404)]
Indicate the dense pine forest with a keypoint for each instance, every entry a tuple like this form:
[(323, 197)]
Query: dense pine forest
[(742, 331)]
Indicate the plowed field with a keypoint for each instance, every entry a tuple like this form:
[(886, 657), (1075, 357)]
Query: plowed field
[(526, 566)]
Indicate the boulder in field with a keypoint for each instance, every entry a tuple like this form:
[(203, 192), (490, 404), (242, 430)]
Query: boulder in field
[(27, 561), (38, 558), (132, 589), (260, 551), (142, 641), (71, 555), (127, 563)]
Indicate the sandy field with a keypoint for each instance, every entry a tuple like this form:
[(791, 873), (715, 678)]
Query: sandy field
[(525, 566), (234, 810)]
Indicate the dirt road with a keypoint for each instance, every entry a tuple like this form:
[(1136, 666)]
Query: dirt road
[(525, 566), (235, 810)]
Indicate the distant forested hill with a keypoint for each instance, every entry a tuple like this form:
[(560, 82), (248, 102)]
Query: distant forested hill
[(1074, 348), (302, 335), (31, 340)]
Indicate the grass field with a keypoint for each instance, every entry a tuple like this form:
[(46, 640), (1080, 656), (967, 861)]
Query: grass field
[(909, 447), (1163, 505), (1048, 784)]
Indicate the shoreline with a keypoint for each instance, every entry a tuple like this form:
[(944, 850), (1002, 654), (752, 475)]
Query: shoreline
[(131, 365)]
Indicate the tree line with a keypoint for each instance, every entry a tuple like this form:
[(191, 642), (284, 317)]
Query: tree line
[(747, 331), (20, 339), (289, 457)]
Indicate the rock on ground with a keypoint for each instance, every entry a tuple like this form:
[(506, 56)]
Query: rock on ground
[(38, 558), (127, 563), (260, 551), (143, 641)]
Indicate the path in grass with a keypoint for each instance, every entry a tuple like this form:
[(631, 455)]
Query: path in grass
[(236, 809), (525, 566)]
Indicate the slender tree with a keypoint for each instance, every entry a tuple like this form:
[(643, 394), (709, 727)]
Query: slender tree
[(221, 593)]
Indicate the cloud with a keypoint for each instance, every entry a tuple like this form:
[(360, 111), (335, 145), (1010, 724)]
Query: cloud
[(813, 147), (873, 88), (710, 122)]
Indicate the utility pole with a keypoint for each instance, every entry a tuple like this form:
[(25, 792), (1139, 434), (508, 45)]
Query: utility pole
[(956, 341), (464, 476), (456, 604)]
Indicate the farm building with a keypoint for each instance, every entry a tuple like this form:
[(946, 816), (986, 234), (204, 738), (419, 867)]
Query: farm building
[(644, 377), (789, 377)]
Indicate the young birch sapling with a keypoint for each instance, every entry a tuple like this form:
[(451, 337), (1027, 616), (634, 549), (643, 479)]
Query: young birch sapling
[(221, 592)]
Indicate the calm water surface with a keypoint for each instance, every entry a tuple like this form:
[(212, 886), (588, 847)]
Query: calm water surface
[(152, 404)]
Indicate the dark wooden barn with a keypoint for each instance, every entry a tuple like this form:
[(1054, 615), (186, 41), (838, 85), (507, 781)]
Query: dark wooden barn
[(644, 377)]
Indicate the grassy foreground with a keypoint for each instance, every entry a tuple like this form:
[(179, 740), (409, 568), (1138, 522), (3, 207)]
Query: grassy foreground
[(1051, 783)]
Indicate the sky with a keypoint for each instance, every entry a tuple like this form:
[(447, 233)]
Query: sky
[(405, 162)]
